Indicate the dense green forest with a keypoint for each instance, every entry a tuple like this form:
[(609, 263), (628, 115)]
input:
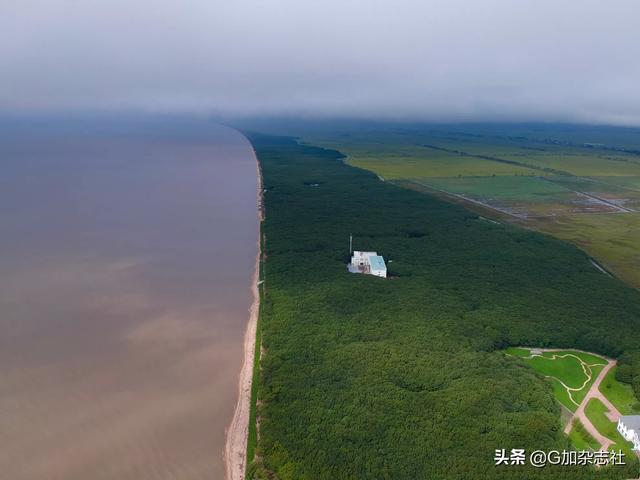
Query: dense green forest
[(400, 378)]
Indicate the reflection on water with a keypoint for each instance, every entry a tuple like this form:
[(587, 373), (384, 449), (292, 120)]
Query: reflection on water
[(126, 255)]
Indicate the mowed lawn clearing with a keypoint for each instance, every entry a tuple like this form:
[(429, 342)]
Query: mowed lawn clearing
[(571, 372)]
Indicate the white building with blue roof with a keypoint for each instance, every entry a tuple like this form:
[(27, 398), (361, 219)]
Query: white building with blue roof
[(629, 428), (369, 263)]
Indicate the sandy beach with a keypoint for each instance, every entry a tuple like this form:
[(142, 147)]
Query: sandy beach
[(236, 445)]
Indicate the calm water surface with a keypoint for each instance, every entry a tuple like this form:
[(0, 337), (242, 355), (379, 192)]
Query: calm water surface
[(126, 255)]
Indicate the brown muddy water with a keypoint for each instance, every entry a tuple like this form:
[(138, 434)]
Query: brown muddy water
[(127, 250)]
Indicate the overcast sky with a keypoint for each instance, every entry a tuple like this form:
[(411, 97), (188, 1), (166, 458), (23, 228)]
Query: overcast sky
[(576, 60)]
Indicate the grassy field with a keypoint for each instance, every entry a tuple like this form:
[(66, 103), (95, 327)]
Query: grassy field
[(619, 394), (587, 165), (567, 369), (575, 161), (596, 412), (440, 164), (555, 179), (614, 240), (570, 372), (629, 182), (519, 188), (404, 378)]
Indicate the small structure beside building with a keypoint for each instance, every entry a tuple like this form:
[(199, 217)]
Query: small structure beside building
[(629, 428), (369, 263)]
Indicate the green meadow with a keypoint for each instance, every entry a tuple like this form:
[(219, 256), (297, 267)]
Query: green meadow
[(619, 394), (570, 372), (439, 164), (622, 183), (504, 188), (585, 162), (614, 240), (566, 369)]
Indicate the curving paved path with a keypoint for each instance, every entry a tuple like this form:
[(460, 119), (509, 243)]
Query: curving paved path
[(594, 392)]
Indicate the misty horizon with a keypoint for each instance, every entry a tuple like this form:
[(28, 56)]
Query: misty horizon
[(409, 61)]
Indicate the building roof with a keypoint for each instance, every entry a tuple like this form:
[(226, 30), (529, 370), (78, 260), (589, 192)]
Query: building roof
[(377, 263), (631, 421), (363, 253)]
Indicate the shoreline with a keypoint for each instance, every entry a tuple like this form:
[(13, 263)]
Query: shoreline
[(235, 451)]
